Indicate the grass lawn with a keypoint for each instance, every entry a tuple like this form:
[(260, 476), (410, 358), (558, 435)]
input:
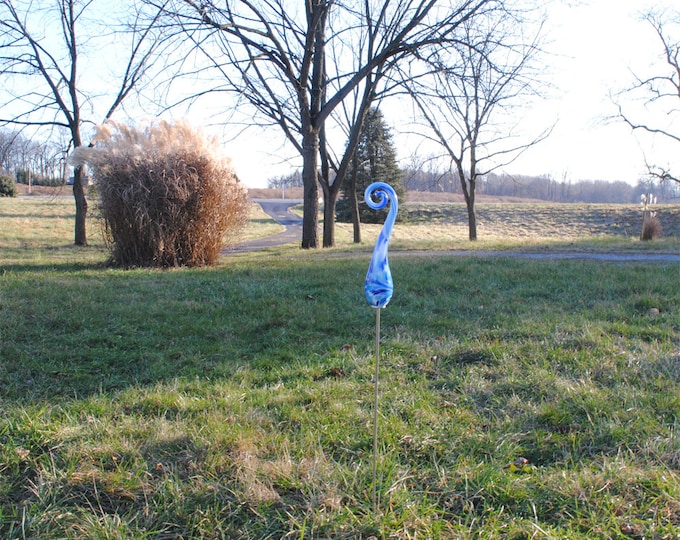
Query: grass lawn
[(519, 399)]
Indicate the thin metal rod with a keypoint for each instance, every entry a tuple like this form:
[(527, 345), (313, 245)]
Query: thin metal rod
[(376, 502)]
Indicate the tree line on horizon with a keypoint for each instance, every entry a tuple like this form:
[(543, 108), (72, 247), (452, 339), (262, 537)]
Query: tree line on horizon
[(46, 162), (20, 156), (543, 188), (546, 188)]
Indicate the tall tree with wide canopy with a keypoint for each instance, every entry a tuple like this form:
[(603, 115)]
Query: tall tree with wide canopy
[(44, 47), (294, 64)]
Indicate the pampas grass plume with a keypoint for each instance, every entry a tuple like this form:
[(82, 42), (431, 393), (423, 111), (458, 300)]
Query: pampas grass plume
[(167, 195)]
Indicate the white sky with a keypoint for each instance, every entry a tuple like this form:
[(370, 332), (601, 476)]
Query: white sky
[(596, 45), (603, 43)]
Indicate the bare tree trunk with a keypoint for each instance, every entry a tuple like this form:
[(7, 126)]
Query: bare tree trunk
[(354, 204), (81, 207), (310, 161), (330, 198), (468, 187), (472, 223), (332, 191)]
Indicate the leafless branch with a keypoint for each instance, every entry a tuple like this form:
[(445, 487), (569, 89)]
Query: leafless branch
[(661, 90)]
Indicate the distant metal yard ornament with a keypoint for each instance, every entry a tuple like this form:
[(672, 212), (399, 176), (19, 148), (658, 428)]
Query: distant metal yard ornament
[(378, 289)]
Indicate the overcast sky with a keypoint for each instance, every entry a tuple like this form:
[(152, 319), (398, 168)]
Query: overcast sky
[(602, 42), (595, 45)]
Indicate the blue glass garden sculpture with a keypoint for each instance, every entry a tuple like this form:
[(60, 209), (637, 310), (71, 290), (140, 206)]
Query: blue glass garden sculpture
[(378, 286), (378, 289)]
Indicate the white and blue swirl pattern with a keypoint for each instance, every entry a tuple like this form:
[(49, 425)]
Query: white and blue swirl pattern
[(378, 287)]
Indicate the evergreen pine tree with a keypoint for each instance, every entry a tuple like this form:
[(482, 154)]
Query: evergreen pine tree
[(374, 161)]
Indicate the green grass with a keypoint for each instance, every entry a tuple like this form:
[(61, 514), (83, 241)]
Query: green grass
[(236, 401)]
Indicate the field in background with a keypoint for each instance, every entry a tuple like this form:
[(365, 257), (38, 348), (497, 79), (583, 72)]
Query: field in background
[(438, 226), (291, 193), (536, 220), (513, 218)]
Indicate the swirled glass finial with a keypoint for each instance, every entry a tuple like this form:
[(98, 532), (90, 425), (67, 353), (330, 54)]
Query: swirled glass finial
[(378, 287)]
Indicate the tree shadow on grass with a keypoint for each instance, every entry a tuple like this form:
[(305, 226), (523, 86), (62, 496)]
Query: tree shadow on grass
[(23, 215), (104, 331), (63, 267)]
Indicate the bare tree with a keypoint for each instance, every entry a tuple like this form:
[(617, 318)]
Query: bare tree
[(9, 144), (467, 99), (294, 64), (42, 51), (660, 93)]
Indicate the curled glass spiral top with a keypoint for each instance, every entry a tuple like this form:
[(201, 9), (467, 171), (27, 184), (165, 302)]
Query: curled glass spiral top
[(378, 287)]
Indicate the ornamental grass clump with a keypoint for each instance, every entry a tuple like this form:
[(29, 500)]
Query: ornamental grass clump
[(167, 197), (7, 187), (651, 226)]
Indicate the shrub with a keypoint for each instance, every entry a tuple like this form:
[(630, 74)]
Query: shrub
[(7, 187), (651, 228), (166, 196)]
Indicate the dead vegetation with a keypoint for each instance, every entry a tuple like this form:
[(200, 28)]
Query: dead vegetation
[(651, 228), (166, 196)]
